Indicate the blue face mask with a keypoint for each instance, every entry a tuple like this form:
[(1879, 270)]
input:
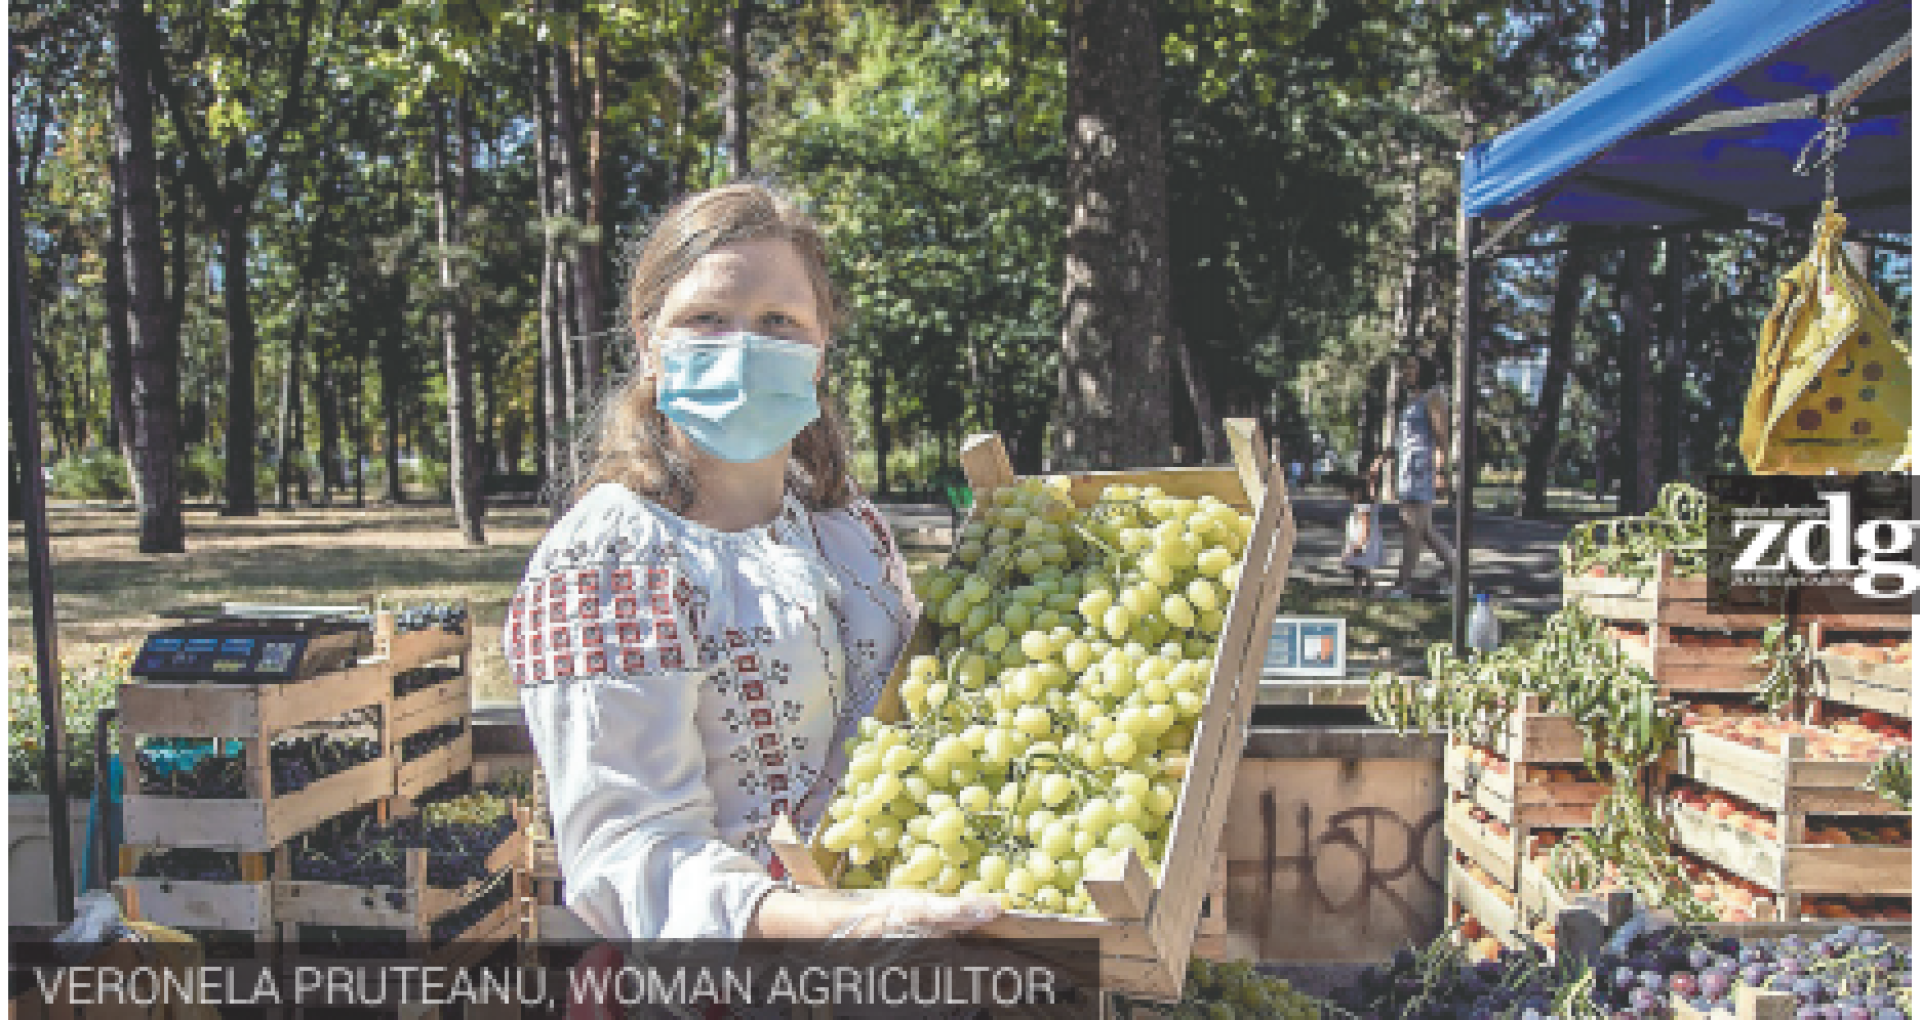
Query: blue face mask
[(739, 396)]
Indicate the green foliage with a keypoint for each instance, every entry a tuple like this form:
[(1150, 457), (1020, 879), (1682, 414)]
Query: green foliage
[(84, 691), (95, 474)]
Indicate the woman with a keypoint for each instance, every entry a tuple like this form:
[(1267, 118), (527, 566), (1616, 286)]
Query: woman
[(700, 633), (1420, 439)]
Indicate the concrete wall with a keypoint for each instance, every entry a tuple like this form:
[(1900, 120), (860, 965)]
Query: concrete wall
[(30, 897), (1334, 845)]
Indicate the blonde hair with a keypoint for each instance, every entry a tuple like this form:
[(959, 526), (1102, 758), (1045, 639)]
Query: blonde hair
[(630, 442)]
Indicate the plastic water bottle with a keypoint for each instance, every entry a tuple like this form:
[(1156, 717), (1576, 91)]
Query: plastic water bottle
[(1483, 629)]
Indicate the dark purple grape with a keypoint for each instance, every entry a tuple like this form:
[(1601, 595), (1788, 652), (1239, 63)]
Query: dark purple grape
[(1715, 984), (1684, 985)]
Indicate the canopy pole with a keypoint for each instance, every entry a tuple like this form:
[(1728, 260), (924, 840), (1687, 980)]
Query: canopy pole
[(25, 413), (1466, 398)]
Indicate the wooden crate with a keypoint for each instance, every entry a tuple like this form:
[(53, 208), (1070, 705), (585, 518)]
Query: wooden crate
[(244, 905), (412, 778), (1785, 780), (1876, 686), (248, 711), (1796, 868), (504, 922), (257, 823), (421, 647), (1210, 935), (412, 907), (1533, 734), (1502, 918), (434, 701), (1521, 796), (1662, 599), (1146, 932), (1682, 668), (1499, 855)]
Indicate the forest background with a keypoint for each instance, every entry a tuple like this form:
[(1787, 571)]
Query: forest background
[(281, 252)]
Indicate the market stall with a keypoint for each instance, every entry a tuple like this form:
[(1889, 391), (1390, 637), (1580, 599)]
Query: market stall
[(1747, 115)]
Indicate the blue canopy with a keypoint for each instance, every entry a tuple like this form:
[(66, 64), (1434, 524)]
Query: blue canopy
[(1610, 154)]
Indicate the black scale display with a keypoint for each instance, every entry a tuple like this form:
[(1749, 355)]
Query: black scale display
[(252, 644)]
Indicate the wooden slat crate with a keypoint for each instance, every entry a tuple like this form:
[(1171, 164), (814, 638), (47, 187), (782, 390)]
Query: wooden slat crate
[(413, 777), (244, 905), (1499, 855), (258, 823), (1524, 796), (1785, 867), (1884, 686), (1502, 918), (1661, 599), (1210, 936), (1785, 780), (504, 922), (1535, 735), (248, 711), (1678, 667), (412, 907), (1146, 932), (422, 647), (432, 702)]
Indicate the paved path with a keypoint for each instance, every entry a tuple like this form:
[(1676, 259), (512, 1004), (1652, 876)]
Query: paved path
[(1516, 561)]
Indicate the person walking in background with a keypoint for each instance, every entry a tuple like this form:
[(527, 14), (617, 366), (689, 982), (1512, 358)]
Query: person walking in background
[(1421, 443), (1364, 551)]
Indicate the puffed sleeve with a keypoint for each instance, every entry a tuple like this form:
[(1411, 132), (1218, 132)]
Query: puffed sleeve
[(604, 656)]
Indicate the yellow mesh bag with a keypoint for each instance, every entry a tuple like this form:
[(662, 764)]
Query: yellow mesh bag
[(1832, 386)]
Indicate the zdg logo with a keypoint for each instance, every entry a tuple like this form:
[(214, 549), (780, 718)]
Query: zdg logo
[(1813, 545)]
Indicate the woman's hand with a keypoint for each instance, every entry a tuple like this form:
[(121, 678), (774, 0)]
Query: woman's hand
[(901, 913), (890, 913)]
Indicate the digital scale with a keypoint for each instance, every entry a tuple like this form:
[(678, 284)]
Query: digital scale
[(238, 642)]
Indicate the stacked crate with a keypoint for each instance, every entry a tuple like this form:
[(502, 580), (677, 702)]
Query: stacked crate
[(1528, 777), (385, 698), (1746, 796)]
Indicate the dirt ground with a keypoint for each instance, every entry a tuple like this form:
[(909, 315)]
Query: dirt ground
[(107, 594)]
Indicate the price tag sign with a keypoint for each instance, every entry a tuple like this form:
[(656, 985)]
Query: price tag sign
[(1307, 646)]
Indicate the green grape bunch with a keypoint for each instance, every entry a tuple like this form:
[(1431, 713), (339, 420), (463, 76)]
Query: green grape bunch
[(1047, 733)]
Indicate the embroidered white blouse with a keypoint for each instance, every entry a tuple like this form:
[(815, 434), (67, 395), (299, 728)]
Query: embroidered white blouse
[(685, 685)]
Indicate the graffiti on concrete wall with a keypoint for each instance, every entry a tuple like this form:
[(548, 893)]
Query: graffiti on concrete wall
[(1356, 860)]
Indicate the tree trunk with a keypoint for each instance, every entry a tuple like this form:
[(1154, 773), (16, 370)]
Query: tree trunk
[(1673, 330), (357, 428), (153, 351), (285, 447), (734, 90), (571, 180), (452, 190), (326, 398), (242, 352), (1113, 382), (1639, 399), (877, 408), (119, 361), (1211, 445), (1544, 438)]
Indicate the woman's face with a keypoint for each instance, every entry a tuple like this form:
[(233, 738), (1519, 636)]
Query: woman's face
[(760, 286)]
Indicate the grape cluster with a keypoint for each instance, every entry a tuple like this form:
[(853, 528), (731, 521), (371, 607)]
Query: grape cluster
[(419, 678), (457, 835), (455, 922), (1440, 983), (431, 739), (1850, 974), (1073, 650), (190, 863), (1236, 990), (299, 762), (447, 616), (215, 776)]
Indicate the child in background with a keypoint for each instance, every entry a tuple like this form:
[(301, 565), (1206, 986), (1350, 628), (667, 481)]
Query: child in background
[(1363, 550)]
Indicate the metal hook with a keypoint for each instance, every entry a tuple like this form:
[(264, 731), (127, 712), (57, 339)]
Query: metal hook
[(1829, 141)]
